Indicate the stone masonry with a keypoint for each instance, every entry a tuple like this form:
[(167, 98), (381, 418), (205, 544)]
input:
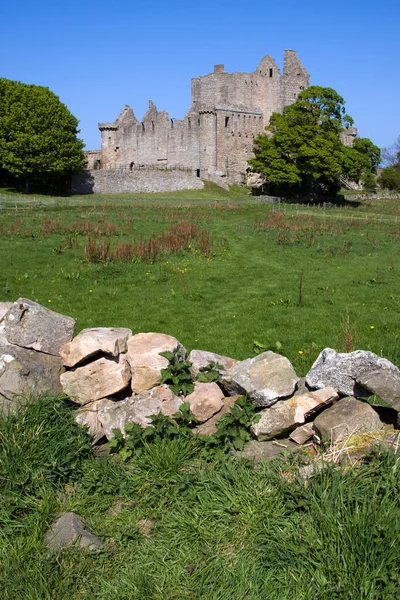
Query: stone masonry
[(215, 138)]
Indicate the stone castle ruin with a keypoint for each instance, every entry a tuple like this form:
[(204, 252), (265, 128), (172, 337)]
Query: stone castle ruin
[(215, 138)]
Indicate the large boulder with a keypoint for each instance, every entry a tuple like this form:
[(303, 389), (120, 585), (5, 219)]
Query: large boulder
[(345, 371), (25, 373), (286, 415), (68, 530), (210, 427), (385, 383), (100, 378), (88, 417), (145, 360), (89, 342), (206, 400), (265, 378), (137, 409), (201, 358), (30, 325), (345, 418)]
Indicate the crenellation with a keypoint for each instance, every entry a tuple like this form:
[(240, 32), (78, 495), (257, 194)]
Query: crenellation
[(215, 138)]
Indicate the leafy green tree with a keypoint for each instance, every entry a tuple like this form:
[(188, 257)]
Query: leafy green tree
[(390, 178), (304, 154), (38, 136)]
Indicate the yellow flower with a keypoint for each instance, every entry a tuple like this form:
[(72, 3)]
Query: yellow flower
[(90, 291), (372, 327), (300, 352), (48, 300)]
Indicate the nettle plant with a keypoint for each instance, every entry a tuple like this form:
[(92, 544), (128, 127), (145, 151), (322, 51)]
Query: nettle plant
[(178, 375), (210, 373)]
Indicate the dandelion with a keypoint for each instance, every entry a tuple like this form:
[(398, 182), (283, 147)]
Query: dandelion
[(90, 291), (234, 317), (48, 300), (372, 327), (300, 352)]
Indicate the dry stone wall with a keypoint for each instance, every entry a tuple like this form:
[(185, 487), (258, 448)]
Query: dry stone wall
[(116, 376)]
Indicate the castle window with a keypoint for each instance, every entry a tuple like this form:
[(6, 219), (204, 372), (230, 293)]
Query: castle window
[(152, 126), (197, 172), (271, 72), (189, 124), (143, 130), (226, 121), (198, 122), (172, 123)]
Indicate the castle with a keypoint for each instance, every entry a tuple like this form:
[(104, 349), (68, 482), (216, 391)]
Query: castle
[(215, 138)]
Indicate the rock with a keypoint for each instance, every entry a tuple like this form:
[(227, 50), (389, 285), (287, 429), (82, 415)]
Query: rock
[(4, 308), (67, 531), (201, 358), (265, 451), (89, 417), (302, 434), (285, 415), (206, 400), (343, 370), (345, 418), (145, 360), (385, 383), (25, 373), (31, 325), (137, 409), (265, 378), (210, 427), (101, 378), (89, 342)]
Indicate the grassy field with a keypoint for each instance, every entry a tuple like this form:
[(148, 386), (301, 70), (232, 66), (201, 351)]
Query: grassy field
[(299, 279), (233, 275)]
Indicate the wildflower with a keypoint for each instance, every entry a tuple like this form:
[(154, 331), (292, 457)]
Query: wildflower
[(372, 327), (48, 300), (90, 291), (300, 352)]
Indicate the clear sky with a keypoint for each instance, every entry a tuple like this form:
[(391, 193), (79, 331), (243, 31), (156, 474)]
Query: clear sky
[(98, 56)]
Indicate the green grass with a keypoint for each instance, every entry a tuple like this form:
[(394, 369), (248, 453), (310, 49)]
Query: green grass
[(223, 530), (246, 290)]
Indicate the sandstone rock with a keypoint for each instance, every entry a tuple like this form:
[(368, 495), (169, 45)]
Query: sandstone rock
[(285, 415), (101, 378), (343, 371), (265, 451), (89, 417), (145, 360), (67, 531), (25, 373), (210, 427), (265, 378), (31, 325), (347, 417), (385, 383), (90, 342), (206, 400), (302, 434), (4, 308), (201, 358), (137, 409)]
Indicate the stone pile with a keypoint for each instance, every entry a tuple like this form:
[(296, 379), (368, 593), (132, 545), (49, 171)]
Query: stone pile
[(115, 376)]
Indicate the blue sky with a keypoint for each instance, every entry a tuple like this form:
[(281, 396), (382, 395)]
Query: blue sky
[(98, 56)]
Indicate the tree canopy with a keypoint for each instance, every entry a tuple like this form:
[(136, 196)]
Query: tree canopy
[(305, 154), (38, 135)]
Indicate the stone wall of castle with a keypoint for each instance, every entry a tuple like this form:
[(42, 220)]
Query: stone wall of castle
[(121, 181), (215, 138)]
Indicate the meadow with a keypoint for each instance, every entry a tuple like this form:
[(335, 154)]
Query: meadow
[(225, 273)]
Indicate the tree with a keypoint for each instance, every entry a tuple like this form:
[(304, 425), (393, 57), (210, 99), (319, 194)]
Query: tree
[(390, 178), (304, 154), (391, 154), (38, 136)]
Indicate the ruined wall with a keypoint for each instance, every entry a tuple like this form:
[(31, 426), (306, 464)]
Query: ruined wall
[(121, 181), (215, 138)]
